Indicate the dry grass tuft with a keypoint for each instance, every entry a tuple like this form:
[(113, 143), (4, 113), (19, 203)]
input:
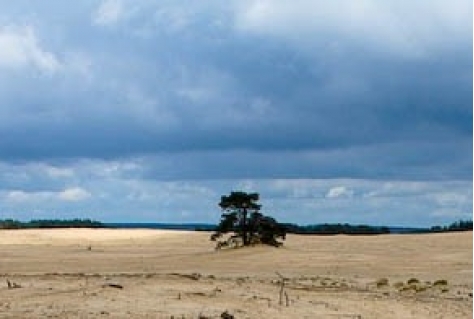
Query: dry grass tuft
[(412, 281), (382, 282), (398, 284), (440, 282)]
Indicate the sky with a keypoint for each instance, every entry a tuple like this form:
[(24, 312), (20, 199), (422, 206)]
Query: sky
[(150, 111)]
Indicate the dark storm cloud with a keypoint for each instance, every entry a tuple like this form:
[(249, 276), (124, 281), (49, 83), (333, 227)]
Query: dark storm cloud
[(215, 100), (407, 161)]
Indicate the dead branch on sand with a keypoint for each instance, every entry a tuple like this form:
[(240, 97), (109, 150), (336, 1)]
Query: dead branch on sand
[(282, 290), (12, 285)]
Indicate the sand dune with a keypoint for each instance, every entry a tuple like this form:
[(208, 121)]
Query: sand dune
[(84, 273)]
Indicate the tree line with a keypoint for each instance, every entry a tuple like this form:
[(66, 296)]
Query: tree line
[(50, 223), (336, 229), (462, 225)]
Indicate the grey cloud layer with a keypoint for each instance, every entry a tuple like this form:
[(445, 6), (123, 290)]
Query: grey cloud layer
[(239, 90)]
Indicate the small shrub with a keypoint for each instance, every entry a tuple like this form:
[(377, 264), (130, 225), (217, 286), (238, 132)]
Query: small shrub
[(441, 282), (412, 281), (226, 315), (398, 284), (405, 288), (420, 288), (382, 282)]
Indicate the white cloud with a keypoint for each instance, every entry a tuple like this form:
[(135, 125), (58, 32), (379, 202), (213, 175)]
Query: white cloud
[(398, 189), (339, 192), (20, 196), (108, 13), (407, 28), (296, 188), (247, 186), (73, 194), (57, 172), (448, 198), (20, 48)]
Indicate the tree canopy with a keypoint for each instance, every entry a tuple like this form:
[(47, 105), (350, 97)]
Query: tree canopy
[(241, 216)]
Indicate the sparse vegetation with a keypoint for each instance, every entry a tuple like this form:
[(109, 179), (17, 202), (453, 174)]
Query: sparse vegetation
[(398, 285), (417, 286), (227, 315), (412, 281), (382, 282), (440, 282), (421, 288)]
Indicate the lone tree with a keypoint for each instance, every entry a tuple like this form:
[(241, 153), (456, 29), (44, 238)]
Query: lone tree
[(241, 216)]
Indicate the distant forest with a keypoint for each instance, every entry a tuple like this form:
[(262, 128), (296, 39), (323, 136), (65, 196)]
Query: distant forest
[(347, 229), (461, 225), (50, 223), (319, 229), (335, 229)]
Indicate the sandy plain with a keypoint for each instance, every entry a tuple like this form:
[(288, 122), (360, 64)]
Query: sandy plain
[(96, 273)]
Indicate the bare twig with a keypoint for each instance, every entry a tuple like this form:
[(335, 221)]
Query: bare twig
[(113, 286), (282, 289)]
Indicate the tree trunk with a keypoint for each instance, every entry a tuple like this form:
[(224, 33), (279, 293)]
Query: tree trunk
[(245, 236)]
